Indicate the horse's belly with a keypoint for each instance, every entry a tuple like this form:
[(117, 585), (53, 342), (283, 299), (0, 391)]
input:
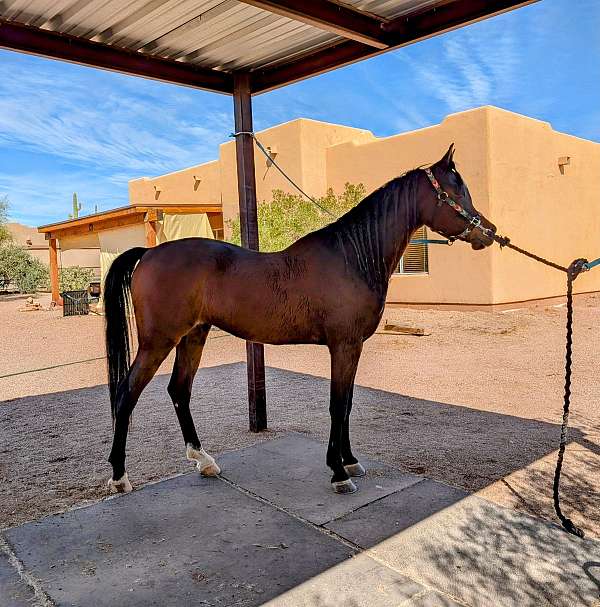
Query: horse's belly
[(271, 331)]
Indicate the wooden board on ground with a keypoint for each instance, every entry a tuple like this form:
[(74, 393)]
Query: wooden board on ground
[(391, 328)]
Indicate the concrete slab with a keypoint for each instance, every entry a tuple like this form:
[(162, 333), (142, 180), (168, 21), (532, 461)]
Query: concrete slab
[(394, 513), (483, 554), (357, 582), (291, 473), (13, 591), (187, 541)]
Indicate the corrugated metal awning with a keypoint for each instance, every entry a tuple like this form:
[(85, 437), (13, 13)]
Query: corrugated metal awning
[(202, 42)]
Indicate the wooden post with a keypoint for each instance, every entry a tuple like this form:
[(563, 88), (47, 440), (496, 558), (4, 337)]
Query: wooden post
[(244, 146), (54, 284), (150, 227)]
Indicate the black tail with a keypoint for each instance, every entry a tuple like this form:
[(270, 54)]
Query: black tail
[(116, 295)]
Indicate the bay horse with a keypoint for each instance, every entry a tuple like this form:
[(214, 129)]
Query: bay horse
[(327, 288)]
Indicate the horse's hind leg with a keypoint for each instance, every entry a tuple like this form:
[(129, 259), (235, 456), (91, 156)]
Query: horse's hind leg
[(145, 365), (187, 360)]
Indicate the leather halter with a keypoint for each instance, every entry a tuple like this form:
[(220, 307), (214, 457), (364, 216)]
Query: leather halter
[(474, 220)]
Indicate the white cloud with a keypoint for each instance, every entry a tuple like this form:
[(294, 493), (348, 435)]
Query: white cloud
[(38, 198), (92, 131), (88, 117), (472, 67)]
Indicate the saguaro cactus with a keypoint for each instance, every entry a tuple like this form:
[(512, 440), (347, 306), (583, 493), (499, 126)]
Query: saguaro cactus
[(76, 207)]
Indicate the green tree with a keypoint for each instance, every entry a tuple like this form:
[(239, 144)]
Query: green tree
[(288, 217), (5, 235)]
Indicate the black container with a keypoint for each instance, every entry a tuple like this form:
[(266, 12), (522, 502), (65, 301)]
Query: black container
[(95, 288), (75, 303)]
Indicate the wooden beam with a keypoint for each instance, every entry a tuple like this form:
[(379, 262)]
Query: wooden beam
[(440, 18), (95, 227), (255, 356), (51, 44), (54, 280), (341, 19)]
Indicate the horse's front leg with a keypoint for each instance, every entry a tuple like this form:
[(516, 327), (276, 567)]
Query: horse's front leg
[(351, 464), (344, 361)]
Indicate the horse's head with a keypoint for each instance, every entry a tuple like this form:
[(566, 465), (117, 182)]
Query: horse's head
[(447, 207)]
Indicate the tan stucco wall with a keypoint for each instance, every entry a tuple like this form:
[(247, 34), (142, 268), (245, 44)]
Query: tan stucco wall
[(555, 215), (199, 184), (509, 161)]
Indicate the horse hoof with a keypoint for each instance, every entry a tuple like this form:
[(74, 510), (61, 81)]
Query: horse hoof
[(355, 469), (205, 464), (344, 487), (121, 485), (209, 470)]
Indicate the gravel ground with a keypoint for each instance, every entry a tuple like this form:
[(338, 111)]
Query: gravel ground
[(476, 404)]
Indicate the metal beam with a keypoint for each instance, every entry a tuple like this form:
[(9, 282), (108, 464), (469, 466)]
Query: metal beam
[(340, 19), (442, 17), (244, 147), (50, 44)]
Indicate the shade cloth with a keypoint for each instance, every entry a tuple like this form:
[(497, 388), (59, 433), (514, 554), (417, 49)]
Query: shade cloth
[(83, 241), (174, 227)]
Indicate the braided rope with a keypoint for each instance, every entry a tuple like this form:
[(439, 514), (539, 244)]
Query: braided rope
[(567, 523), (572, 272), (503, 241)]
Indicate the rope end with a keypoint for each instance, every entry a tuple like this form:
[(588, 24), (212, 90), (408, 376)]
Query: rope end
[(571, 528)]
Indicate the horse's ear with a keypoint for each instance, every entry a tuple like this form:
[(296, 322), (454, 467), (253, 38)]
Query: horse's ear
[(448, 158)]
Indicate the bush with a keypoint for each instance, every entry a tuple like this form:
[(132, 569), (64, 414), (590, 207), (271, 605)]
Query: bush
[(75, 278), (288, 217), (26, 272)]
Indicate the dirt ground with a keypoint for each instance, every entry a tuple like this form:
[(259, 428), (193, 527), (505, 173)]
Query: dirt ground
[(477, 403)]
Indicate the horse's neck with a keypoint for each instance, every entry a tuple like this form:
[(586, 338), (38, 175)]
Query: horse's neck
[(378, 236)]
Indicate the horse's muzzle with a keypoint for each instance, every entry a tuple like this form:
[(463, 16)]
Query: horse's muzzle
[(482, 238)]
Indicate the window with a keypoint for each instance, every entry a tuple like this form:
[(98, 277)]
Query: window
[(415, 259)]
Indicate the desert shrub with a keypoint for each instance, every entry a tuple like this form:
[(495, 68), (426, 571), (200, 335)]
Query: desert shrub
[(75, 278), (288, 217), (26, 272)]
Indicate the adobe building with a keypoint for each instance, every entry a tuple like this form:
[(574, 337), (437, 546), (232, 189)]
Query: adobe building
[(540, 187), (30, 240)]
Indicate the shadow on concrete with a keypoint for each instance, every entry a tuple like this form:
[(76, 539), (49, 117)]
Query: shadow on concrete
[(53, 449)]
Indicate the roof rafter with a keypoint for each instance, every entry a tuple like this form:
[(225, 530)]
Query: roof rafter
[(50, 44), (442, 17), (340, 19)]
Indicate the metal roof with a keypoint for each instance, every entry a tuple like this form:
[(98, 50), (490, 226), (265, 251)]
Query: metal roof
[(277, 41)]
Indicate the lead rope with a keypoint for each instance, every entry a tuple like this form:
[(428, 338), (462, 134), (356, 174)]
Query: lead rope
[(572, 272)]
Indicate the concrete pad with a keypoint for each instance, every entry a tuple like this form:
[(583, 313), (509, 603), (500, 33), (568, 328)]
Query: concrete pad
[(357, 582), (483, 554), (186, 541), (396, 512), (291, 472), (13, 591)]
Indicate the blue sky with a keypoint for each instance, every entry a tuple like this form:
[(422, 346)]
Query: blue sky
[(66, 128)]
